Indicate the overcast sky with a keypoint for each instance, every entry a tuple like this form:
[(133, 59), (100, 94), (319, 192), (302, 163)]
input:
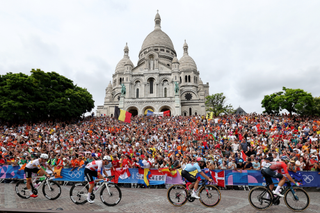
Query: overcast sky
[(245, 49)]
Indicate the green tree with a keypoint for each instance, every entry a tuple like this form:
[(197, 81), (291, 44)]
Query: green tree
[(216, 103), (271, 103), (41, 96), (316, 108), (293, 100)]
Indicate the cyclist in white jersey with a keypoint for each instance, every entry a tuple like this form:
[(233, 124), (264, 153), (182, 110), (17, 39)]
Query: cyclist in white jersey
[(93, 169), (34, 166)]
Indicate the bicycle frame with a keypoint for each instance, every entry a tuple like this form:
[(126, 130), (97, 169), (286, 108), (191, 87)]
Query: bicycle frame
[(289, 187), (98, 180), (42, 182)]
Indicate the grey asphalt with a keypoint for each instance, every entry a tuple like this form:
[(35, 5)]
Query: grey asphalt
[(139, 200)]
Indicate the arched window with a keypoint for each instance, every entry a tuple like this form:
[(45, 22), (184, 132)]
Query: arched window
[(151, 86), (189, 78), (185, 114), (137, 93), (190, 111), (165, 92), (185, 78), (195, 113), (180, 80)]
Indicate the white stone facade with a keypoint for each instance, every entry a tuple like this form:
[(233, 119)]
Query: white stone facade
[(150, 84)]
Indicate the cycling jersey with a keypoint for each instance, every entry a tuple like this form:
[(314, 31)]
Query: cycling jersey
[(192, 166), (278, 166), (35, 164), (95, 165)]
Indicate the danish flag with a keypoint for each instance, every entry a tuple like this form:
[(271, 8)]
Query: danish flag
[(218, 178), (122, 173)]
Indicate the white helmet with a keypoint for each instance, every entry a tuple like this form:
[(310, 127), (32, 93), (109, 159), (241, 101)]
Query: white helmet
[(44, 156), (106, 157)]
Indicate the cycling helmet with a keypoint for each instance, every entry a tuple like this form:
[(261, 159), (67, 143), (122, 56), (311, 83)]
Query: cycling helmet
[(106, 157), (199, 159), (285, 158), (44, 156)]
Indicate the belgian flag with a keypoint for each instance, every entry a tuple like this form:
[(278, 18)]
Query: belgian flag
[(122, 115)]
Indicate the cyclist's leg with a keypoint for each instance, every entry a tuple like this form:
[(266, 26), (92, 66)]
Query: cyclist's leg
[(190, 178), (40, 172), (28, 172), (90, 174), (196, 184), (268, 178), (281, 182)]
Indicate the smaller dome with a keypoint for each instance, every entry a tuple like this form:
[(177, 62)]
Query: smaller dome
[(120, 65), (175, 60), (186, 62), (128, 62), (200, 81), (124, 61)]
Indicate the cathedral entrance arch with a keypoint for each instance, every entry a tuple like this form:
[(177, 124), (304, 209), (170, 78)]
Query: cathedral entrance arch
[(145, 110), (165, 108), (133, 110)]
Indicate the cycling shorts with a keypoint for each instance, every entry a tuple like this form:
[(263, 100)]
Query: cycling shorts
[(29, 172), (189, 177), (90, 174), (269, 173)]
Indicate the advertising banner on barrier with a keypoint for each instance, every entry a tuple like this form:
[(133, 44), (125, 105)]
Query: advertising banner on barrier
[(74, 175), (154, 177), (174, 180)]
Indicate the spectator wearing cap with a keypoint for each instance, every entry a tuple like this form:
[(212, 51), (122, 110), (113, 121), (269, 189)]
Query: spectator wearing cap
[(240, 165), (292, 165), (312, 161), (256, 164)]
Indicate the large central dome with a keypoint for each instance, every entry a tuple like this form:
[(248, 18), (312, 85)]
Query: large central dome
[(157, 37)]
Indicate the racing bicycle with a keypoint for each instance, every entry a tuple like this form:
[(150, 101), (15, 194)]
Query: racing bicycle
[(295, 198), (50, 189), (110, 193), (179, 194)]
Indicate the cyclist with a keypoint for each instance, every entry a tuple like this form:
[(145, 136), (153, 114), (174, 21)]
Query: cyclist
[(34, 166), (194, 180), (273, 169), (93, 170)]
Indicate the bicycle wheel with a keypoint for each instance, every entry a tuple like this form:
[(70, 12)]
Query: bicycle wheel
[(78, 193), (298, 203), (260, 197), (111, 196), (210, 195), (22, 190), (177, 195), (53, 192)]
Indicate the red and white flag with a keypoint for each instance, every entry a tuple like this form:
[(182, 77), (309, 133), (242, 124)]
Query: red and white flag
[(243, 156), (122, 173), (218, 178)]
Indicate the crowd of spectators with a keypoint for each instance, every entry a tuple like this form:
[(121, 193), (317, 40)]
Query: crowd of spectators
[(237, 142)]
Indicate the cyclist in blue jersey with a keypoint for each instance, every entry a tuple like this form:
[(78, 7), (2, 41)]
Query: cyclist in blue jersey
[(199, 165)]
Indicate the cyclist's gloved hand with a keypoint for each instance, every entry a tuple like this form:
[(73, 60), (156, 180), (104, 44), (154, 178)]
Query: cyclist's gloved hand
[(298, 184)]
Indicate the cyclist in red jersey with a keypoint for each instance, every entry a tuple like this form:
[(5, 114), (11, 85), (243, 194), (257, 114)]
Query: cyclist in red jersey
[(273, 169)]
